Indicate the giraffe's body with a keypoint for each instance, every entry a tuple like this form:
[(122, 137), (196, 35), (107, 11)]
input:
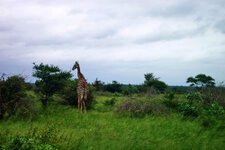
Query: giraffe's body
[(82, 88)]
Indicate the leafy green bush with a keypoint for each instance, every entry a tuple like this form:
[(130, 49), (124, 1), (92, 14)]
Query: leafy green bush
[(130, 89), (188, 110), (216, 109), (192, 106), (135, 108), (113, 87), (13, 99), (159, 85), (110, 102), (169, 100), (35, 138)]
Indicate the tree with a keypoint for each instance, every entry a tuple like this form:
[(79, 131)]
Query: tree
[(201, 80), (150, 76), (98, 84), (50, 80), (152, 81), (114, 87)]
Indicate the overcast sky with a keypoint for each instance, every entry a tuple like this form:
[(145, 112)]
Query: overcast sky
[(115, 40)]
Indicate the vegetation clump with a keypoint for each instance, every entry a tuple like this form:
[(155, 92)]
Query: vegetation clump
[(13, 99), (137, 108)]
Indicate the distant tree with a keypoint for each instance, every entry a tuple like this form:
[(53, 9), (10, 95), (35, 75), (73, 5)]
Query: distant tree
[(50, 80), (150, 76), (201, 80), (114, 87), (152, 81), (98, 84), (130, 89)]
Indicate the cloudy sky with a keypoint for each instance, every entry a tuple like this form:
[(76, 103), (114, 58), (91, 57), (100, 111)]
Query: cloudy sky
[(115, 39)]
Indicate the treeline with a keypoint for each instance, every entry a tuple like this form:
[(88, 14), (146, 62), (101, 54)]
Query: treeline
[(51, 80), (150, 83)]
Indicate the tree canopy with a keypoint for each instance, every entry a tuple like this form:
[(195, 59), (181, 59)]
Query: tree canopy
[(201, 80), (50, 80)]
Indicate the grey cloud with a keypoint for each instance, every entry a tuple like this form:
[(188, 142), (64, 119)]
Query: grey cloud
[(220, 26), (109, 38), (182, 9)]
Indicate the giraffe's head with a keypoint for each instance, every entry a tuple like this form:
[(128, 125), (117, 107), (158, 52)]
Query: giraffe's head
[(75, 66)]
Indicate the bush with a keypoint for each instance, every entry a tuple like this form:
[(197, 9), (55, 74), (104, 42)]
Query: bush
[(213, 95), (114, 87), (193, 105), (43, 139), (69, 93), (188, 110), (169, 100), (110, 102), (158, 85), (128, 90), (135, 108), (13, 99)]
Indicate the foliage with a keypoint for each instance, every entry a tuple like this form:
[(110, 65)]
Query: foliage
[(169, 95), (159, 85), (107, 130), (50, 80), (215, 110), (201, 80), (110, 102), (13, 99), (137, 108), (194, 97), (169, 100), (188, 110), (213, 95), (130, 89), (150, 76), (192, 106), (35, 138), (152, 81), (69, 93), (114, 87), (99, 85)]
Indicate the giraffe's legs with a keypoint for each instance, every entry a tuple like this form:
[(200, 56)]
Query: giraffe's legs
[(81, 106), (84, 107)]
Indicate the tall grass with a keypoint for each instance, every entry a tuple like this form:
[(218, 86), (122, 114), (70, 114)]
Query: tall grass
[(69, 129)]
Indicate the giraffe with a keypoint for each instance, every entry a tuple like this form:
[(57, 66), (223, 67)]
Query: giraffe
[(82, 88)]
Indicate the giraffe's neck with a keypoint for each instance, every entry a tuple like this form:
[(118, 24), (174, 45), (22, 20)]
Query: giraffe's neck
[(79, 74)]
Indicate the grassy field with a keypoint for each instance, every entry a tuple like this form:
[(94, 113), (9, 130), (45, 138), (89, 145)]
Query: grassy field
[(102, 128)]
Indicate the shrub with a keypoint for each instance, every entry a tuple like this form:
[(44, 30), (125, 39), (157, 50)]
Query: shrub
[(188, 110), (114, 87), (159, 85), (215, 110), (151, 91), (169, 100), (213, 95), (110, 102), (135, 108), (130, 89), (13, 99), (36, 138), (192, 106)]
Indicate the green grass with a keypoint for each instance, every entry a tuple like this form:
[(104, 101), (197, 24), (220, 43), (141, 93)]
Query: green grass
[(101, 128)]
